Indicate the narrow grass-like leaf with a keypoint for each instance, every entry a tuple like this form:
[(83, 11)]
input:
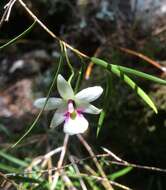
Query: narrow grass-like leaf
[(79, 79), (8, 168), (136, 88), (107, 94), (120, 173), (13, 159), (89, 179), (41, 111), (92, 184), (22, 179), (128, 80), (18, 37), (139, 74), (68, 61), (44, 186), (127, 70), (5, 130), (100, 121)]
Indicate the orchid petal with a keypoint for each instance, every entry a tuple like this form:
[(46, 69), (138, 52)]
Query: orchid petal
[(89, 94), (75, 126), (52, 103), (89, 108), (57, 119), (64, 88)]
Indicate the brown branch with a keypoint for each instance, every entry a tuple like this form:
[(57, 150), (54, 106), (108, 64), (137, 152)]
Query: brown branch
[(82, 184), (159, 31), (124, 163), (49, 31), (105, 183), (10, 182), (105, 179), (67, 181), (144, 57)]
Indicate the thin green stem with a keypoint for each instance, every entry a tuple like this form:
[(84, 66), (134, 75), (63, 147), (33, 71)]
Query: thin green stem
[(38, 116), (19, 36)]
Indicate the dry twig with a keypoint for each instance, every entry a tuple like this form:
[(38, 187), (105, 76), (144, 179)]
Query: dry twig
[(144, 57), (105, 179), (67, 181), (49, 31), (7, 12), (105, 183), (82, 184)]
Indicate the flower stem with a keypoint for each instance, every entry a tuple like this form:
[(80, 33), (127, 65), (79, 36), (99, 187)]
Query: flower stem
[(60, 162)]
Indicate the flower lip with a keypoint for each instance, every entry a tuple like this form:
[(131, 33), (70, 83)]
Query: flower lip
[(75, 126)]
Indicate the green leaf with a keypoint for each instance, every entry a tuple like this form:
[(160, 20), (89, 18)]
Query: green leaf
[(127, 70), (44, 186), (120, 173), (13, 159), (127, 80), (79, 79), (18, 37), (5, 130), (23, 179), (107, 94), (100, 121), (99, 62), (8, 168), (136, 88), (139, 74)]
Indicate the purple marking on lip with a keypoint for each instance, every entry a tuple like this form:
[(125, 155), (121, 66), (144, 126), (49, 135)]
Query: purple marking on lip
[(67, 114), (80, 110)]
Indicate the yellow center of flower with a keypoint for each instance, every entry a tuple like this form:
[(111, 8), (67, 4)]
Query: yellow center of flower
[(73, 115)]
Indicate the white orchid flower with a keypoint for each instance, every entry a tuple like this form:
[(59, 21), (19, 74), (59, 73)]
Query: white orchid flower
[(70, 107)]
